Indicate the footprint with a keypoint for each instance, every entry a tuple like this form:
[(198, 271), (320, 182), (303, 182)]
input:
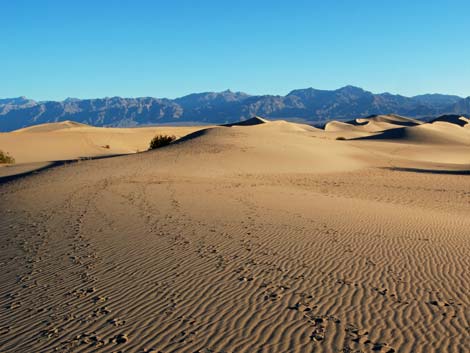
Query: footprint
[(319, 331), (120, 338), (117, 322), (439, 303), (382, 348), (361, 337)]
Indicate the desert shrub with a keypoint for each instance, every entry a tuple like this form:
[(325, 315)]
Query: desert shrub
[(341, 138), (106, 146), (6, 158), (161, 140)]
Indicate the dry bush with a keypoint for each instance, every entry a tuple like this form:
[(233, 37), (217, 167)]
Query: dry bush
[(5, 158), (161, 140)]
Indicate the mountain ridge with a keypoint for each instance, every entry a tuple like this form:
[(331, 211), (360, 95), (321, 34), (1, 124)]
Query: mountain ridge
[(308, 105)]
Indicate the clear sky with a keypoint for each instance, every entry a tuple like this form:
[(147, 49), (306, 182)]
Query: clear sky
[(169, 48)]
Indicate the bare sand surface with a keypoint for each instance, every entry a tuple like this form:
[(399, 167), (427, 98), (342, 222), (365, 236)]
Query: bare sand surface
[(268, 237), (70, 140)]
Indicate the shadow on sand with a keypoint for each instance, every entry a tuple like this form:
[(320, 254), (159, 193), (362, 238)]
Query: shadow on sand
[(431, 171), (50, 165)]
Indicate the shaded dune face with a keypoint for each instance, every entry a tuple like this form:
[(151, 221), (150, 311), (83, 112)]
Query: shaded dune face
[(453, 119), (388, 119), (375, 123), (431, 134), (255, 237), (440, 146), (249, 122)]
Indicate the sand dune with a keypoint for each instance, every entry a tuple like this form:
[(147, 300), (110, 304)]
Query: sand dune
[(440, 145), (435, 133), (249, 122), (377, 123), (71, 140), (256, 237), (389, 119), (453, 119), (50, 127), (340, 129), (366, 126), (261, 148)]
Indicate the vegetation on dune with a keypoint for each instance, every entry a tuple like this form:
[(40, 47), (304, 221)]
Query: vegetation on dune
[(5, 158), (161, 140), (341, 138)]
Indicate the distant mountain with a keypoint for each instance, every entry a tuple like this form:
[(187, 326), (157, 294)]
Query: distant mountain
[(211, 106), (307, 105), (437, 100), (209, 99), (16, 101), (114, 111), (9, 104), (461, 107)]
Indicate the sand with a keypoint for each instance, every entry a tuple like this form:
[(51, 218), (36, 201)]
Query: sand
[(266, 237), (70, 140)]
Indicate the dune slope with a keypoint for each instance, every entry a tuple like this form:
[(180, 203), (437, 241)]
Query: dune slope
[(271, 237), (71, 140)]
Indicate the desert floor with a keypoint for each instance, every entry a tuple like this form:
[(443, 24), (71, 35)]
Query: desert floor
[(269, 237)]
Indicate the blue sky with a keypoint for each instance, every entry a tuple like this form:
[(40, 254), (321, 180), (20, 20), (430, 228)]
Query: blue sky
[(84, 49)]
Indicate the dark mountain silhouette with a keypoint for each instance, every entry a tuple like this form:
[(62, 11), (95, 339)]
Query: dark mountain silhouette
[(307, 105)]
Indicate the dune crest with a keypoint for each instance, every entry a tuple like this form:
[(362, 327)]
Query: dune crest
[(50, 127), (256, 120), (389, 119)]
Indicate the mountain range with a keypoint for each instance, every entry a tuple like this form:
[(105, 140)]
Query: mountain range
[(303, 105)]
